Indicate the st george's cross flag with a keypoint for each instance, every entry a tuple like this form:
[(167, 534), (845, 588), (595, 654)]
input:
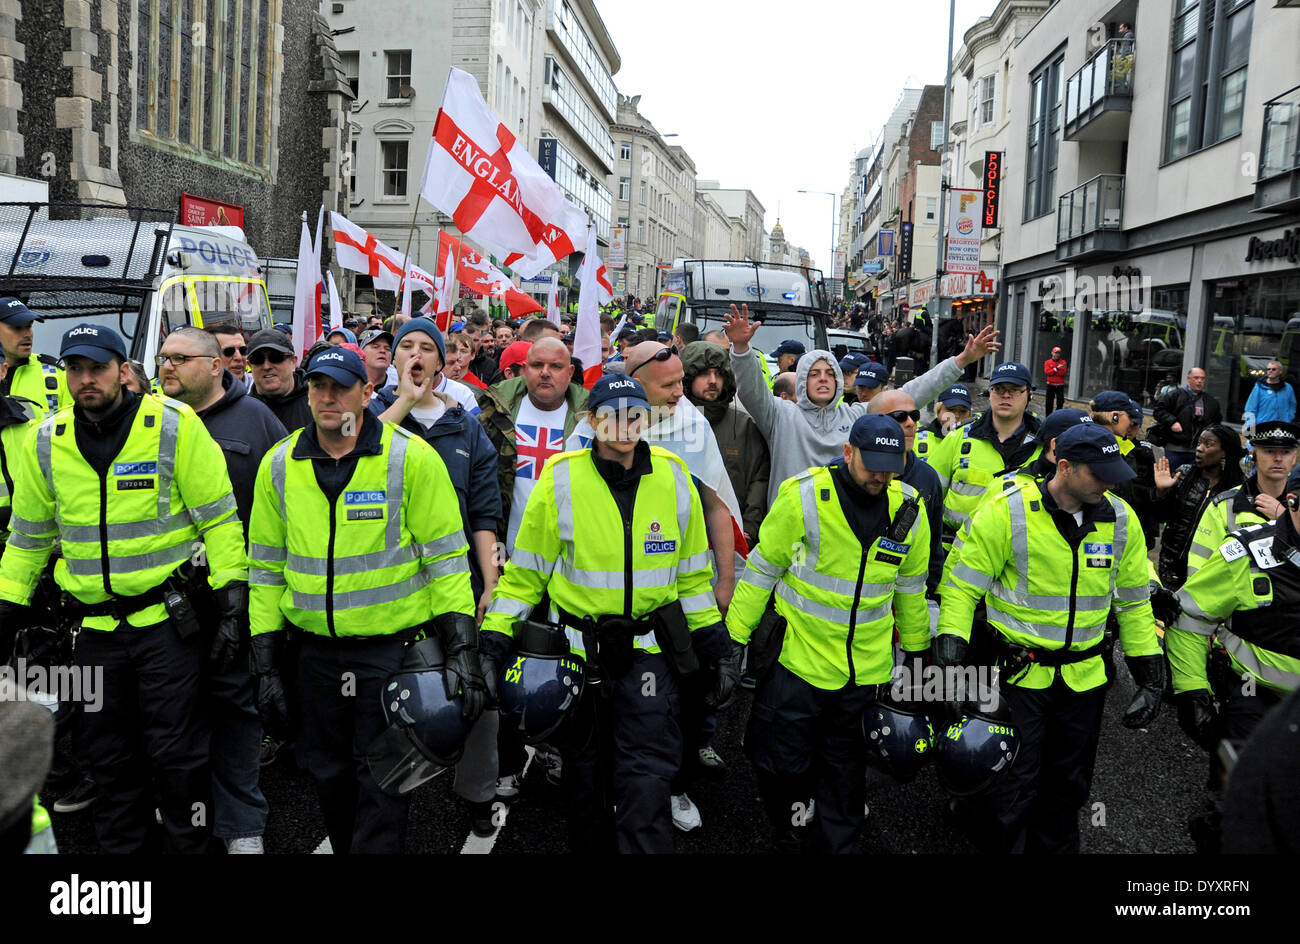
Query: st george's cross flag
[(595, 291), (359, 251), (497, 194), (477, 274)]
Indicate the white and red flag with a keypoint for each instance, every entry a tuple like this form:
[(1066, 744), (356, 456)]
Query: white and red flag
[(361, 252), (478, 275), (553, 300), (307, 290), (497, 194), (595, 291)]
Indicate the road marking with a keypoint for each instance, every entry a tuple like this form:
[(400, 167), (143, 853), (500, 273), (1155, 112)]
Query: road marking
[(482, 845)]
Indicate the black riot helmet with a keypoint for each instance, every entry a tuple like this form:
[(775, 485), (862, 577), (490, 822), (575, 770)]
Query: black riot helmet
[(900, 737), (426, 730), (979, 747), (541, 682)]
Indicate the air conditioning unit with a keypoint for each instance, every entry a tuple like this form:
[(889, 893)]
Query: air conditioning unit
[(336, 8), (1096, 38)]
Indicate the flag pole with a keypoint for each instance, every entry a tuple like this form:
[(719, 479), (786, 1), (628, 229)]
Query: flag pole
[(406, 260)]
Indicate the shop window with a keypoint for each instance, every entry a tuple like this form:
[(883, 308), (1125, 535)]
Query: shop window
[(1051, 329), (1253, 321), (1133, 351)]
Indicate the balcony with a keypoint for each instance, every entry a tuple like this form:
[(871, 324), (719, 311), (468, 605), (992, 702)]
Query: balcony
[(1090, 220), (1277, 190), (1099, 97)]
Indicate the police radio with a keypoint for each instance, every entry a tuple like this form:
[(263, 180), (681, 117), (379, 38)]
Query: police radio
[(901, 526)]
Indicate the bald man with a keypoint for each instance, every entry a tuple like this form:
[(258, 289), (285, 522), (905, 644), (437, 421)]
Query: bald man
[(899, 405), (783, 385)]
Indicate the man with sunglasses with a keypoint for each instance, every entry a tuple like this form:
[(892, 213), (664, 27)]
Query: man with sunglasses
[(234, 352), (277, 382)]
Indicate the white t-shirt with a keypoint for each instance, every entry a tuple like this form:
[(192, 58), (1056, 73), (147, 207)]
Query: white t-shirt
[(539, 434), (460, 393), (427, 416)]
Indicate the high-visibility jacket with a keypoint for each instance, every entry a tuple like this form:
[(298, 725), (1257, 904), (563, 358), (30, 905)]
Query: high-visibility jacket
[(1044, 593), (386, 554), (164, 499), (1227, 512), (573, 545), (768, 377), (841, 601), (1246, 596), (42, 381), (967, 463), (12, 437)]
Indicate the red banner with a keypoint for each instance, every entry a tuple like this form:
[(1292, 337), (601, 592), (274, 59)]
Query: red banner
[(200, 211)]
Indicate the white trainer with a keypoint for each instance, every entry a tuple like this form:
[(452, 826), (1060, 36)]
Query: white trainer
[(248, 845), (686, 815)]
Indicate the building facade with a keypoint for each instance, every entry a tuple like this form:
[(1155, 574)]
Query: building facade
[(1156, 224), (746, 215), (139, 101)]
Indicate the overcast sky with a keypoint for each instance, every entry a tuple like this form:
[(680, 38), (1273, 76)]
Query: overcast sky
[(779, 97)]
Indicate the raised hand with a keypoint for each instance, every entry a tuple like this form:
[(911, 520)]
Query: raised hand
[(1164, 479), (979, 345), (739, 328)]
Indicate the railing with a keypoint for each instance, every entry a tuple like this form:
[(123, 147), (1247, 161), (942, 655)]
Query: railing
[(1095, 205), (1108, 73), (1280, 145)]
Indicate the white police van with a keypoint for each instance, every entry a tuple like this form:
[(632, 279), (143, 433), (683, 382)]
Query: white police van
[(131, 269)]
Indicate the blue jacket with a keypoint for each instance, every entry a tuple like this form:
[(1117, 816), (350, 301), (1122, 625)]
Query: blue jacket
[(1268, 403), (471, 463)]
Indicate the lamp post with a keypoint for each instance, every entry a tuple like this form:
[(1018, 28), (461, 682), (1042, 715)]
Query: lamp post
[(835, 216), (944, 184)]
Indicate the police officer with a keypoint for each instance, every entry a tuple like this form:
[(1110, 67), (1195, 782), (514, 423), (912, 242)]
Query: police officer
[(614, 536), (1054, 556), (1256, 501), (131, 486), (952, 410), (35, 377), (356, 540), (1244, 598), (17, 417), (1000, 439), (846, 549)]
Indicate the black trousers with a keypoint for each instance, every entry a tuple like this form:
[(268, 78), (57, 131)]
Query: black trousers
[(339, 682), (1035, 807), (1053, 392), (148, 741), (621, 749), (805, 741)]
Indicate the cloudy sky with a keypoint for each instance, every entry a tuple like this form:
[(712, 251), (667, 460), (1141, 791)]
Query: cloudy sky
[(778, 97)]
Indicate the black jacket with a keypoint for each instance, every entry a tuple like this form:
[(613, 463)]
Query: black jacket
[(1180, 509), (1179, 406), (245, 429), (291, 409)]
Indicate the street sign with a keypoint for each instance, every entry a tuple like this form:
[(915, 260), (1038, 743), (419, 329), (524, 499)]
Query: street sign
[(992, 188)]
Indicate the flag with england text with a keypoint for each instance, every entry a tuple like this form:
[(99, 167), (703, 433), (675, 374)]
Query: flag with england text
[(494, 190)]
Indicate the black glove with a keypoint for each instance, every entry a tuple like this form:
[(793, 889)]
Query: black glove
[(949, 651), (14, 617), (272, 703), (462, 671), (493, 651), (232, 625), (1149, 673), (1164, 604), (727, 677), (1198, 717)]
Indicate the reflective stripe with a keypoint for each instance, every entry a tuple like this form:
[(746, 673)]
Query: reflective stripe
[(1019, 537), (564, 502), (693, 563), (446, 567), (1052, 633), (128, 564), (356, 599), (1230, 518), (944, 482), (847, 588), (1133, 594), (213, 509), (44, 449), (1192, 608), (615, 579), (958, 518), (756, 578), (261, 577), (28, 543), (682, 487), (516, 608), (171, 424), (534, 562), (396, 464), (969, 489), (266, 553), (1201, 550), (761, 564), (1037, 601), (698, 601), (972, 576), (910, 584), (125, 530), (31, 527), (832, 614), (443, 545), (351, 563), (812, 526), (278, 460), (1194, 624), (1240, 650)]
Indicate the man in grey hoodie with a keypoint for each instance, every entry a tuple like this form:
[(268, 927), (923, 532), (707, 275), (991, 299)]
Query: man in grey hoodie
[(812, 430)]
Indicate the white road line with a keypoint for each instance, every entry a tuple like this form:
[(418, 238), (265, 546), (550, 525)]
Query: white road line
[(482, 845)]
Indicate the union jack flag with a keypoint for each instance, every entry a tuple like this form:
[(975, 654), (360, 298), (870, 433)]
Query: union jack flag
[(533, 446)]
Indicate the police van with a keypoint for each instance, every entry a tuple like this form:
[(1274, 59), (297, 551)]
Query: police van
[(132, 269), (789, 300)]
